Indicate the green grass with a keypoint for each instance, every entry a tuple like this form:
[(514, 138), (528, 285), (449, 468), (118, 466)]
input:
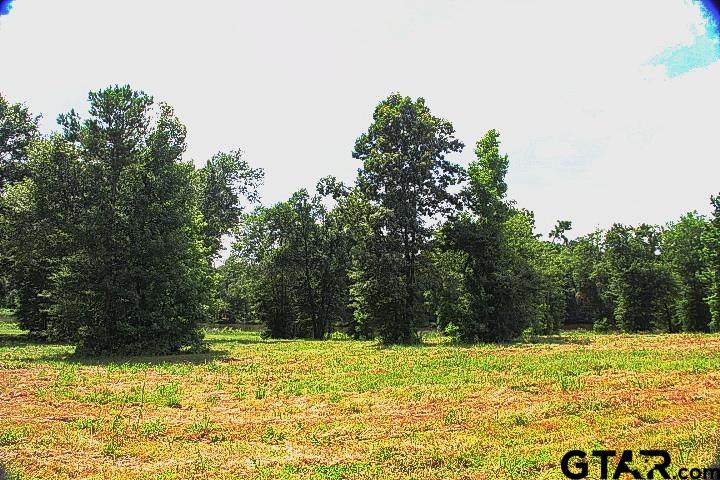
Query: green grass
[(341, 409), (8, 326)]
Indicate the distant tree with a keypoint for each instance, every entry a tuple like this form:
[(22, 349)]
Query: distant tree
[(640, 282), (446, 294), (590, 300), (405, 177), (234, 293), (558, 232), (498, 244), (682, 249), (534, 287), (18, 127), (40, 229), (225, 182), (17, 130), (711, 248), (552, 284), (290, 267), (260, 254)]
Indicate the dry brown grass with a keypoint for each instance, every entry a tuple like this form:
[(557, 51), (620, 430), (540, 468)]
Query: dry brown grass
[(348, 409)]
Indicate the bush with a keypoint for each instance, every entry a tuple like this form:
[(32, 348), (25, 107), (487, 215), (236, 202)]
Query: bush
[(452, 331), (339, 336), (602, 325)]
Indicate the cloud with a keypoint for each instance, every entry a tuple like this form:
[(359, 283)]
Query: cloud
[(701, 52), (595, 130)]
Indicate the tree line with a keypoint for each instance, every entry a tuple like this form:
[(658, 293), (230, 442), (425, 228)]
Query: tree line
[(109, 240)]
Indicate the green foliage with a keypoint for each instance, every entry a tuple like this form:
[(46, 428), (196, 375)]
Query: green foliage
[(17, 130), (588, 280), (486, 190), (643, 278), (493, 277), (136, 280), (405, 179), (682, 249), (108, 239), (602, 325), (500, 280), (558, 232), (223, 183), (641, 285), (711, 250), (40, 218), (289, 268), (446, 293), (379, 289), (109, 245), (550, 302), (452, 330)]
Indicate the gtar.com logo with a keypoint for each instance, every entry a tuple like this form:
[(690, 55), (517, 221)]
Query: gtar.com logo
[(575, 465)]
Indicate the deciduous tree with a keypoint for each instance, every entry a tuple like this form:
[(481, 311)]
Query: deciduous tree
[(682, 250), (406, 176), (711, 248)]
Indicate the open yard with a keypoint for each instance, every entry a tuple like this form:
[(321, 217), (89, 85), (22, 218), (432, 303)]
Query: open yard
[(349, 409)]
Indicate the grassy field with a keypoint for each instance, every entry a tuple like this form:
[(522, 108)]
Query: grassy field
[(349, 409)]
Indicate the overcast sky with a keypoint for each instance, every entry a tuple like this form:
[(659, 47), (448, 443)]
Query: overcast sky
[(608, 110)]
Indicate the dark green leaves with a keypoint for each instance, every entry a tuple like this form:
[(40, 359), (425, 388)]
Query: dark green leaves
[(17, 129), (224, 183), (406, 175)]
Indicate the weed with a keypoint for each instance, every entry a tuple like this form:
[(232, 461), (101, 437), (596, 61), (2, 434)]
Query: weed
[(12, 436), (569, 382), (455, 417), (152, 428), (167, 395), (260, 392), (202, 427), (272, 436), (89, 424), (111, 448)]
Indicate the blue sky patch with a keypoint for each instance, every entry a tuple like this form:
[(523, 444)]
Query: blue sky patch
[(704, 50), (5, 6)]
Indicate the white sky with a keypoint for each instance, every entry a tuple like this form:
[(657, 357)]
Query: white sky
[(598, 126)]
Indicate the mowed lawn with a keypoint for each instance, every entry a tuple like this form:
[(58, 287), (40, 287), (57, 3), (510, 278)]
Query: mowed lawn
[(265, 409)]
